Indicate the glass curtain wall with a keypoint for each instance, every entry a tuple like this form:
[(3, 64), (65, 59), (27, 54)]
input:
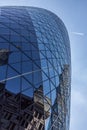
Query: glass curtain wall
[(34, 70)]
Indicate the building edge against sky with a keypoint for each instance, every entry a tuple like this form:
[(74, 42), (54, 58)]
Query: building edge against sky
[(35, 70)]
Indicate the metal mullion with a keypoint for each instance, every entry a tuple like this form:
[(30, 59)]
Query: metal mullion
[(49, 85), (20, 87), (19, 73), (37, 84)]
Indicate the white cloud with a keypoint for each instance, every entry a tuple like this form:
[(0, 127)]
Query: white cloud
[(78, 33)]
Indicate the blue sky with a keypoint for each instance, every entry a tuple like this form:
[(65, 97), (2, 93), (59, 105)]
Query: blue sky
[(73, 14)]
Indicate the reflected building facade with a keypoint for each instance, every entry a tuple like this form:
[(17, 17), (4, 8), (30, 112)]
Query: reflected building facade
[(34, 70)]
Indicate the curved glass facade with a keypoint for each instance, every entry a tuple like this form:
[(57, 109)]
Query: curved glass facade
[(34, 70)]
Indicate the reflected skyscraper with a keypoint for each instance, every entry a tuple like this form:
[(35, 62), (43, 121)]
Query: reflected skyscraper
[(34, 70)]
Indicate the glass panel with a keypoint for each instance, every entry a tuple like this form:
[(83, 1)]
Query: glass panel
[(13, 85), (29, 92)]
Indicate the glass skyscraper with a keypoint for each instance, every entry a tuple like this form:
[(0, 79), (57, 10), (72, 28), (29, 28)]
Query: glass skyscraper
[(34, 70)]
